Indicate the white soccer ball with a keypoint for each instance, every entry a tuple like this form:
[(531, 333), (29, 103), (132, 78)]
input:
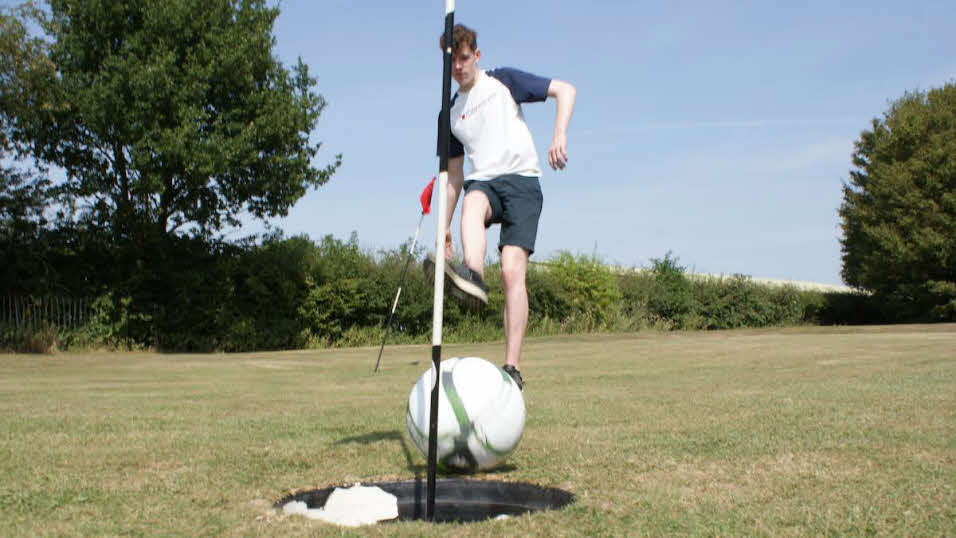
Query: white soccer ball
[(480, 414)]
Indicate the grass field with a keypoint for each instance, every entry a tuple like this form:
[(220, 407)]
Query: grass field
[(808, 431)]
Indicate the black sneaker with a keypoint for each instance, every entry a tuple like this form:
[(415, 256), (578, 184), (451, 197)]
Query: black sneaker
[(466, 285), (515, 375)]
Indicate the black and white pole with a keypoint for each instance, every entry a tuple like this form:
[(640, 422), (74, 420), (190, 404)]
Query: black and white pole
[(444, 140)]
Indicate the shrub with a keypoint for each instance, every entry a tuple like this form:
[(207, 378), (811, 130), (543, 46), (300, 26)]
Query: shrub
[(581, 291), (732, 303), (839, 308), (672, 295)]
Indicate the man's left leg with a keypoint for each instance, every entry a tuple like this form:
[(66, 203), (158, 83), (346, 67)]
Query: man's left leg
[(514, 268), (521, 202)]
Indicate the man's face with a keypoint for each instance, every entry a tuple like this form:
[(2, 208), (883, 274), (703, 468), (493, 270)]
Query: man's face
[(464, 66)]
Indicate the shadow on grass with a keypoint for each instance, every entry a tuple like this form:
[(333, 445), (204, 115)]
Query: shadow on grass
[(374, 437)]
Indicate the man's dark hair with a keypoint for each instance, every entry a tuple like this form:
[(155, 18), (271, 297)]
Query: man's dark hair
[(460, 35)]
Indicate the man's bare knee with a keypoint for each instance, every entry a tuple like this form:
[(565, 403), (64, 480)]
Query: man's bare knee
[(512, 277), (514, 266), (476, 203)]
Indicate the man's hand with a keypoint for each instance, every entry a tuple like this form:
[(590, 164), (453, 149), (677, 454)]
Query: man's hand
[(558, 153), (564, 93), (449, 247)]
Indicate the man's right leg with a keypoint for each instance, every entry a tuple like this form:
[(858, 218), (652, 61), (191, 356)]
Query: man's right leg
[(475, 215), (466, 282)]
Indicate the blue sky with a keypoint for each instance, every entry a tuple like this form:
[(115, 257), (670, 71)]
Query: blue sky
[(719, 131)]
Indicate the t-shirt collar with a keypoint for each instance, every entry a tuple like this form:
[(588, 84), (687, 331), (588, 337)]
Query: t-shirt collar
[(478, 76)]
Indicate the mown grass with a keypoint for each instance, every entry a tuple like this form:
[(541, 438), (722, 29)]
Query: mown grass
[(806, 431)]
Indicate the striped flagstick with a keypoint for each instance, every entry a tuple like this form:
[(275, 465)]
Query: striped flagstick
[(444, 140)]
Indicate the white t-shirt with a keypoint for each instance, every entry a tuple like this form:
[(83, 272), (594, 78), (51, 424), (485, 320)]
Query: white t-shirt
[(487, 124)]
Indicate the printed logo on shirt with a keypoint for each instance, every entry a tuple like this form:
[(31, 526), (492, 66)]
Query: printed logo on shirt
[(472, 110)]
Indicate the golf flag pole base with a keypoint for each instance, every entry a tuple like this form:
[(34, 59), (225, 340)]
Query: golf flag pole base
[(437, 321)]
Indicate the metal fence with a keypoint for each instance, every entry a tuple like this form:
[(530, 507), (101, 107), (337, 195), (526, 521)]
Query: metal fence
[(31, 313)]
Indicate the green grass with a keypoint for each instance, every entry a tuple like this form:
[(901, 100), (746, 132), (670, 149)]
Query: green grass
[(806, 431)]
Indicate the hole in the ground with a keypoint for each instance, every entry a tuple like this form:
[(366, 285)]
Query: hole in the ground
[(456, 500)]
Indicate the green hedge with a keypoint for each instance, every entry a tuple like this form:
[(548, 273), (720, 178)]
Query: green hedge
[(291, 293)]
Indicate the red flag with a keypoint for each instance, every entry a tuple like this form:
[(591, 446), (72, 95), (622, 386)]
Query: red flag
[(427, 197)]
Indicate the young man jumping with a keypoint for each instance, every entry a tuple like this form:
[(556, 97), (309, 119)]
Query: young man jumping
[(503, 185)]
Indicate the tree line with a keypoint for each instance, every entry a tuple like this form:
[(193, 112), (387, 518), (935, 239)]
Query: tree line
[(133, 134)]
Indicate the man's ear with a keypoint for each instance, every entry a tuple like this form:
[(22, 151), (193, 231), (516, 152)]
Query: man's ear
[(477, 54)]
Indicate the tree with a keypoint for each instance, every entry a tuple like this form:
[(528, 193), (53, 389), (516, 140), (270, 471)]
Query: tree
[(24, 194), (899, 207), (173, 116), (23, 63)]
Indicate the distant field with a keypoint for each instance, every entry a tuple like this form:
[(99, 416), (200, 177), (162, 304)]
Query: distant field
[(772, 282), (806, 431)]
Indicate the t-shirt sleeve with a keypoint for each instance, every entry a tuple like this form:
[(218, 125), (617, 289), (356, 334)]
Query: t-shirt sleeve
[(455, 147), (524, 87)]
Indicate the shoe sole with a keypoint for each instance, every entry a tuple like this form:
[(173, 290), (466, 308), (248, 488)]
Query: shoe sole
[(465, 291)]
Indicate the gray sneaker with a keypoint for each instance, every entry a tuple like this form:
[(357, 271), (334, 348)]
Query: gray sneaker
[(463, 283)]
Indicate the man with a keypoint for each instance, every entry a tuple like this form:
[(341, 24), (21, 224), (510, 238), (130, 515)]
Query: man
[(503, 185)]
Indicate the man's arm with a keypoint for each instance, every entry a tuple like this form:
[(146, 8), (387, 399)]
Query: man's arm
[(456, 177), (564, 93)]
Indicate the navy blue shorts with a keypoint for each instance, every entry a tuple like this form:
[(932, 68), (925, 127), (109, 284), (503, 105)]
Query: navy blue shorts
[(515, 204)]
